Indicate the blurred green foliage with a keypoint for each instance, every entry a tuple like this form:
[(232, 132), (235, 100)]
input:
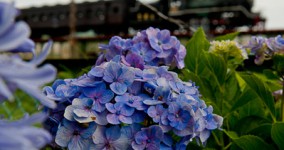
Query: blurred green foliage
[(244, 98)]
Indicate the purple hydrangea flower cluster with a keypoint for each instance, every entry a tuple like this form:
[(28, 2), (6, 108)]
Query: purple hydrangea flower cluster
[(140, 106), (150, 47), (265, 48)]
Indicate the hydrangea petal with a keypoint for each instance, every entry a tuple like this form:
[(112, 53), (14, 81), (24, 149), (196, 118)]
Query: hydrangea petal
[(99, 135), (113, 119), (124, 119), (98, 107), (69, 113), (107, 96), (121, 143), (101, 118), (63, 136), (97, 71), (138, 146), (78, 143), (81, 112), (113, 133), (118, 88)]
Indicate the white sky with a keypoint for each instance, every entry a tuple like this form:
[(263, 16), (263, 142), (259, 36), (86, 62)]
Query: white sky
[(272, 10)]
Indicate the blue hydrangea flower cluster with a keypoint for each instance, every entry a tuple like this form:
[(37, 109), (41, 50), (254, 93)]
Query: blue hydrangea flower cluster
[(15, 73), (125, 102), (264, 48)]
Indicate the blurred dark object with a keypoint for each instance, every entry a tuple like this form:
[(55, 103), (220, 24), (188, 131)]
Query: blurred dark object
[(117, 16)]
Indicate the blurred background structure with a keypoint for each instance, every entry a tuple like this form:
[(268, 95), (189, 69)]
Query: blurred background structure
[(122, 16), (77, 28)]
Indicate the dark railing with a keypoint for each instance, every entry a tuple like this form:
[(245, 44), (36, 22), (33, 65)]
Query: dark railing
[(87, 47)]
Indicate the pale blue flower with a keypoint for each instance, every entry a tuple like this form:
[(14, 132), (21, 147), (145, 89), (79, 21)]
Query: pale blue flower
[(12, 34), (81, 111), (276, 44), (74, 136), (109, 139), (14, 72), (21, 135), (28, 47)]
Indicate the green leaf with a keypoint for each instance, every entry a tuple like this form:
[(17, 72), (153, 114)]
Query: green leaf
[(251, 142), (195, 47), (254, 108), (246, 124), (231, 134), (246, 96), (217, 66), (277, 134), (193, 145), (261, 90), (230, 36), (232, 89), (267, 77), (263, 130), (278, 63), (199, 81), (270, 74)]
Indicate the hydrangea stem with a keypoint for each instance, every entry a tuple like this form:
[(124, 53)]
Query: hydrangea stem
[(282, 101)]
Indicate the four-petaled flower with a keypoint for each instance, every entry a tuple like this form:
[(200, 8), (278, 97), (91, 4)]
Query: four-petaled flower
[(161, 93), (132, 100), (119, 113), (81, 111), (161, 41), (148, 138), (178, 117), (156, 113), (109, 139), (74, 135), (100, 96), (119, 76)]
